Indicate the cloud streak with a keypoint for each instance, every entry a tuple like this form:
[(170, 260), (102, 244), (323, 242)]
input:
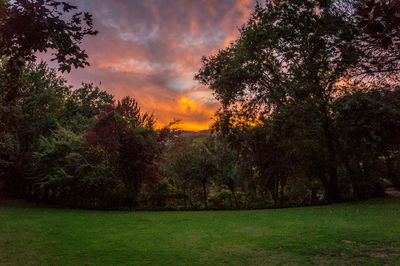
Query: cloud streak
[(151, 49)]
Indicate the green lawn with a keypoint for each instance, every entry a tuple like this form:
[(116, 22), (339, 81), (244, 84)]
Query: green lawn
[(351, 233)]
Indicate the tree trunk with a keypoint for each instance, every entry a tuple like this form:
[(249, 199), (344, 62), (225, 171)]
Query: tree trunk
[(184, 196), (232, 189), (274, 193), (205, 194), (333, 189), (236, 200)]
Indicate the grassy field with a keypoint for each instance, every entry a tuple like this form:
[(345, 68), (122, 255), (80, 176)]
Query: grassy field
[(351, 233)]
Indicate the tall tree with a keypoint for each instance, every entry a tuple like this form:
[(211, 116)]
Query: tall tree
[(290, 53), (131, 142)]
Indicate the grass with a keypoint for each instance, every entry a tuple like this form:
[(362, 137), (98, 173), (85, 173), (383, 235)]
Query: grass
[(351, 233)]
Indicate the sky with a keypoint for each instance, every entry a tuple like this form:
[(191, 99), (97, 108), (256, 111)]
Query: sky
[(151, 49)]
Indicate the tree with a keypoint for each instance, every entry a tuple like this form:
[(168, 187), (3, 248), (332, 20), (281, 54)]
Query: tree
[(128, 137), (67, 171), (290, 53), (83, 105), (46, 105), (227, 166), (192, 166), (32, 26), (368, 124), (58, 167), (36, 114), (29, 27), (203, 170)]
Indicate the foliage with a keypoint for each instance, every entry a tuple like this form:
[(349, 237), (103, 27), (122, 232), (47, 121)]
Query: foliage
[(192, 168), (28, 27), (9, 161), (309, 113), (58, 165), (84, 105), (65, 173), (280, 84), (287, 51), (130, 141), (379, 24), (368, 124), (380, 20)]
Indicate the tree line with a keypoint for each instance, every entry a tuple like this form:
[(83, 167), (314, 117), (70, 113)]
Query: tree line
[(310, 113)]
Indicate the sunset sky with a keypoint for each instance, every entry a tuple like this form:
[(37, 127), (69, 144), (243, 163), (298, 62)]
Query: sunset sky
[(150, 49)]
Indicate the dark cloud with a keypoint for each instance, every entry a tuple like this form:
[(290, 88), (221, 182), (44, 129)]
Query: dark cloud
[(150, 49)]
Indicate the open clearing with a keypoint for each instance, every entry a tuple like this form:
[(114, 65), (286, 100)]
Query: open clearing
[(351, 233)]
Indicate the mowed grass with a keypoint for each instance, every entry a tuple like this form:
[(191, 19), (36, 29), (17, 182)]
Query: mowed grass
[(351, 233)]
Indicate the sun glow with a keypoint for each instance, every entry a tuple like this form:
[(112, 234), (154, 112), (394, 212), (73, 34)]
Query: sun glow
[(187, 105)]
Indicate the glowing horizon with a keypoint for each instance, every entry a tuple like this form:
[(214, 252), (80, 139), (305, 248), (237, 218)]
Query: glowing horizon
[(150, 50)]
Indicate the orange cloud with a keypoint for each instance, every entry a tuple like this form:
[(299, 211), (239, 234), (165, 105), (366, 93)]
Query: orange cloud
[(151, 49)]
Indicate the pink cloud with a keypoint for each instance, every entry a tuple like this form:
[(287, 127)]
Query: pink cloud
[(151, 49)]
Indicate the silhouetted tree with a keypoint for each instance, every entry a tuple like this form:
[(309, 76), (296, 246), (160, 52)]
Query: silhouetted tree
[(288, 52), (368, 125), (32, 26), (128, 137)]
